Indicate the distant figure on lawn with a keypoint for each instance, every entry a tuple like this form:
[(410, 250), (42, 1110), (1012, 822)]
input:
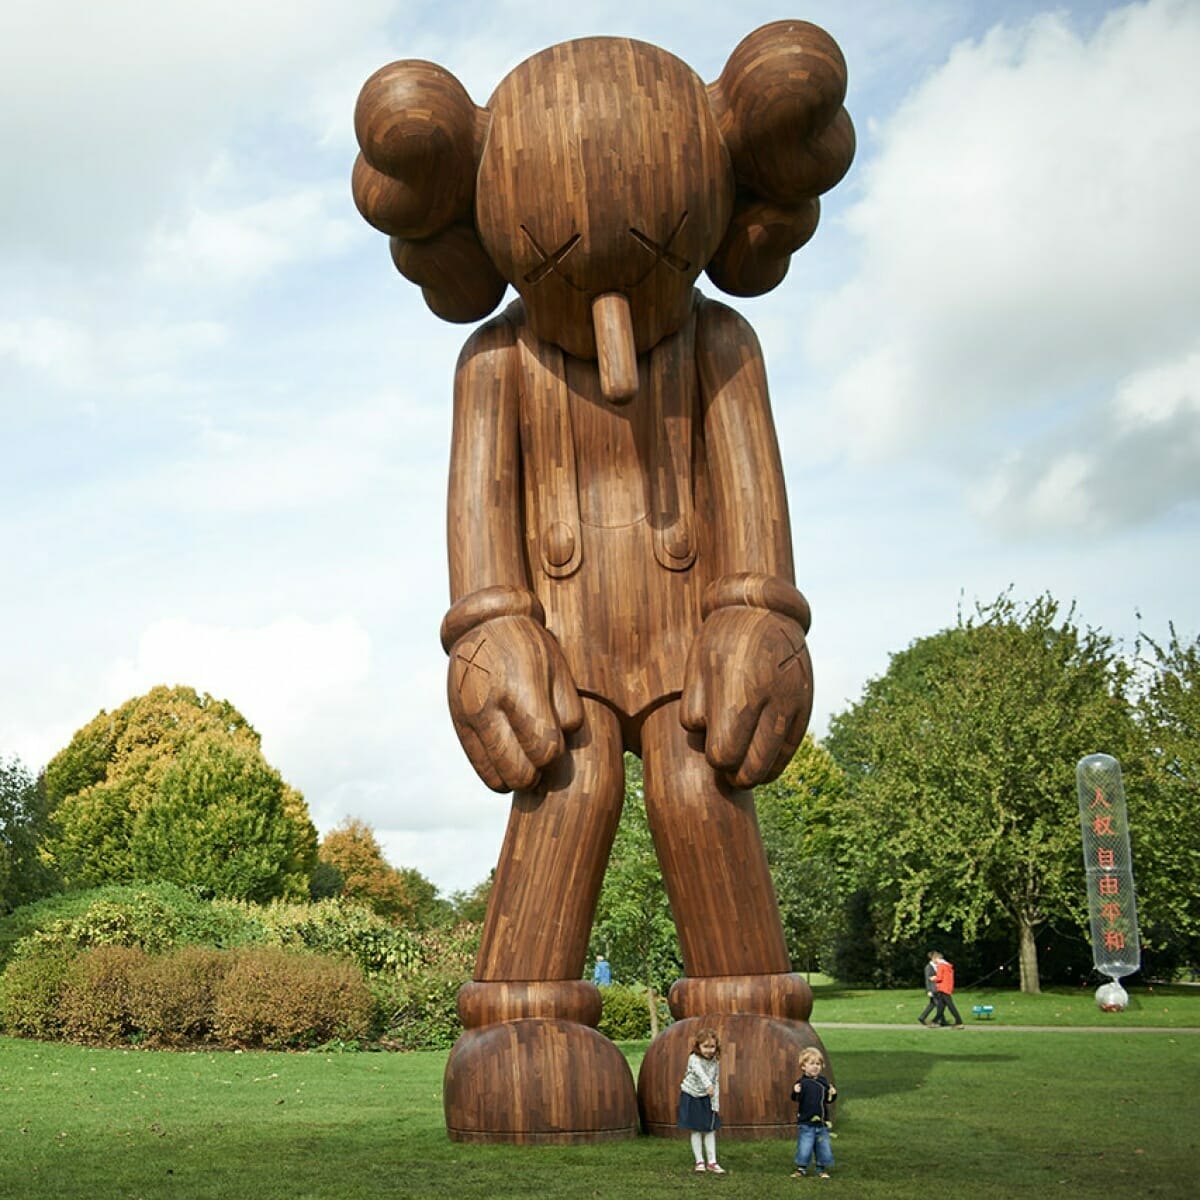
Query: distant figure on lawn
[(944, 995), (602, 975), (930, 987)]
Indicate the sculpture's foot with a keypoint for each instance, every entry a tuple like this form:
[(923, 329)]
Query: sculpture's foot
[(527, 1078), (762, 1022)]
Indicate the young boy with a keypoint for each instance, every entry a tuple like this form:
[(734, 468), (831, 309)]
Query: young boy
[(813, 1094)]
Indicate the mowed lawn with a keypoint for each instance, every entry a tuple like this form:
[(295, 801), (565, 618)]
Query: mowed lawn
[(988, 1111)]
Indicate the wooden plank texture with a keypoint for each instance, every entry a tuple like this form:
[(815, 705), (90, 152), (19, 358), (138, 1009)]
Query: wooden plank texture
[(619, 545)]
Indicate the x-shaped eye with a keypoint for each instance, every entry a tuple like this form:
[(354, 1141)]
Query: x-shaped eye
[(664, 253), (549, 261)]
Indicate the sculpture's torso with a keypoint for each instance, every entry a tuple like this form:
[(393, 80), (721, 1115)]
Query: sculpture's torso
[(614, 499)]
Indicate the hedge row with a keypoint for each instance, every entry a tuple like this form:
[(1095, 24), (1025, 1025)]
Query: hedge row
[(257, 997), (155, 965), (160, 917)]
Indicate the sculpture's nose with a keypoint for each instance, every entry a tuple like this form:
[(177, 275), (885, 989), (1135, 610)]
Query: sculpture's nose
[(615, 350)]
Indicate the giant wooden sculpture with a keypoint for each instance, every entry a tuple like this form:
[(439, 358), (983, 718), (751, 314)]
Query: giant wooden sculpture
[(620, 555)]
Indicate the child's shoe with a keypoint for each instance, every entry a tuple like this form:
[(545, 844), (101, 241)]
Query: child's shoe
[(799, 1173), (716, 1168), (701, 1168)]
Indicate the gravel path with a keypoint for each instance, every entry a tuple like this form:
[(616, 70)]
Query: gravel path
[(818, 1025)]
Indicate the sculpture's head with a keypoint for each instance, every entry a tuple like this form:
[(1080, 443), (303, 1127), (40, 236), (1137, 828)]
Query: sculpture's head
[(603, 170)]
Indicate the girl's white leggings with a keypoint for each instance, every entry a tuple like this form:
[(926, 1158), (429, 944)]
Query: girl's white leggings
[(709, 1146)]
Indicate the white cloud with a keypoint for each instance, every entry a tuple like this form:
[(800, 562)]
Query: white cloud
[(112, 113), (286, 678), (241, 244), (456, 858), (98, 355), (1027, 235), (291, 458), (1155, 398), (1137, 456)]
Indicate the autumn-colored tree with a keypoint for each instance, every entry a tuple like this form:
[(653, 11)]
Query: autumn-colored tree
[(402, 894), (173, 785)]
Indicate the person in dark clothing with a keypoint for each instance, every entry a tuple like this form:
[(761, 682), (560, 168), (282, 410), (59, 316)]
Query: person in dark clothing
[(944, 982), (813, 1094), (930, 988)]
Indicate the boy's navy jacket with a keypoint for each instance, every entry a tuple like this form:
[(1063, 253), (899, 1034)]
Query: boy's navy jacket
[(813, 1096)]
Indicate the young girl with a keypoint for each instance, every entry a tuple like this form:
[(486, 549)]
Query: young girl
[(813, 1094), (700, 1099)]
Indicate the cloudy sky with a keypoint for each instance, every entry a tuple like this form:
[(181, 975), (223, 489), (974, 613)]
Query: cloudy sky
[(225, 418)]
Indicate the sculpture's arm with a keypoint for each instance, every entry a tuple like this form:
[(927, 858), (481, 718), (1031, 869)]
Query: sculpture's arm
[(748, 682), (483, 510), (510, 692)]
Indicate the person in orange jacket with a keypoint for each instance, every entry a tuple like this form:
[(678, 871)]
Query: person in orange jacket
[(943, 982)]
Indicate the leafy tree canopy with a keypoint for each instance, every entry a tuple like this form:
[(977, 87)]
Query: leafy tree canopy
[(960, 808), (23, 877), (794, 814), (402, 894), (634, 929), (173, 785), (1166, 840)]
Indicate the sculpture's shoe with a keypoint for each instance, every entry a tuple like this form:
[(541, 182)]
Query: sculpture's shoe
[(530, 1067), (538, 1080), (762, 1023)]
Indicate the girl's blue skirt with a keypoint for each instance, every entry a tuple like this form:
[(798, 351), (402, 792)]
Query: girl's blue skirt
[(696, 1112)]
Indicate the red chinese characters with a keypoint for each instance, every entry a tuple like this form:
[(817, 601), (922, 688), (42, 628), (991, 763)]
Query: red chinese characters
[(1104, 826)]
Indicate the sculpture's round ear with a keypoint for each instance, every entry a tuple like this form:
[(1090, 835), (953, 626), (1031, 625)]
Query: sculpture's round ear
[(759, 243), (778, 104), (419, 134), (453, 271)]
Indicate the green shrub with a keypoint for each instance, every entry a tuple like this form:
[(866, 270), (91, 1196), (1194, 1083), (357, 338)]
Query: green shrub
[(159, 917), (419, 1010), (97, 1001), (30, 989), (626, 1013), (176, 996), (155, 916), (341, 927), (273, 999), (417, 1013)]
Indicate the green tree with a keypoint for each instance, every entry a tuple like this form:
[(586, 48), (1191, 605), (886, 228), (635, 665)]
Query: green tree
[(23, 876), (633, 928), (1165, 833), (960, 808), (794, 814), (172, 785), (470, 904)]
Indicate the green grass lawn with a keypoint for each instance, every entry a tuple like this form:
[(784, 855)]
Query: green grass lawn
[(986, 1112)]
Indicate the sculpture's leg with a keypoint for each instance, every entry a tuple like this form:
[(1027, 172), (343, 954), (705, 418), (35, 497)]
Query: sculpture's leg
[(530, 1066), (739, 975)]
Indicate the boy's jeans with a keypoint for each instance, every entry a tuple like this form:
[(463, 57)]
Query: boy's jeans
[(806, 1137)]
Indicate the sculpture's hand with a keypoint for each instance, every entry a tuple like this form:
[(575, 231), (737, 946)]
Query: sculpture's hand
[(748, 687), (511, 699)]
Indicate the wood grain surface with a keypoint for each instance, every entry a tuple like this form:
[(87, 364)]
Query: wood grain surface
[(620, 554)]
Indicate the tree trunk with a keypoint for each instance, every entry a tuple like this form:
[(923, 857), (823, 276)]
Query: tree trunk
[(652, 1001), (1030, 983)]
